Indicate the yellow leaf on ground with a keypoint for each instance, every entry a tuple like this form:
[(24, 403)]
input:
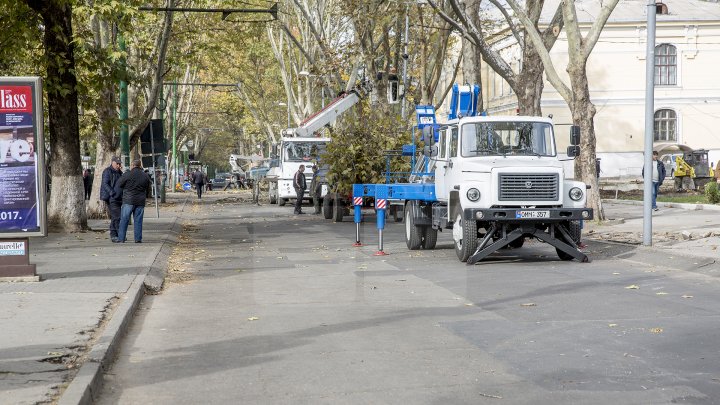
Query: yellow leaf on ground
[(612, 325), (528, 304), (253, 318), (656, 330), (687, 296), (632, 287), (661, 293)]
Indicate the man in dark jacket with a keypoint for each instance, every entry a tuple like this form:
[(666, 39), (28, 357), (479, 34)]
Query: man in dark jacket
[(111, 193), (299, 184), (135, 184), (199, 180), (658, 176)]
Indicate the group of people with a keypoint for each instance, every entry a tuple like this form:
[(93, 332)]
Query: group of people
[(125, 195), (300, 183)]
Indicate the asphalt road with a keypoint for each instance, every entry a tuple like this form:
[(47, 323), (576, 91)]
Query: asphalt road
[(265, 307)]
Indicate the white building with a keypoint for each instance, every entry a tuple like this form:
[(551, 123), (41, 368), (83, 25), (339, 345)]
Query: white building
[(687, 91)]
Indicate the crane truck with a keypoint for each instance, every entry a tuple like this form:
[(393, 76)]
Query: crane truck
[(493, 182), (300, 146)]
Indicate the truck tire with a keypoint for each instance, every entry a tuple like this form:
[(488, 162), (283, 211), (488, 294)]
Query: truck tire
[(282, 201), (465, 237), (338, 210), (575, 231), (429, 239), (413, 233), (327, 208)]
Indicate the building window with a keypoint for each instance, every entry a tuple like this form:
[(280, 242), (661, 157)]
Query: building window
[(665, 126), (665, 65), (661, 8)]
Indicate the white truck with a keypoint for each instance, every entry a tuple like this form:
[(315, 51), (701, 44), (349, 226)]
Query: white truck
[(293, 152), (493, 182), (299, 146)]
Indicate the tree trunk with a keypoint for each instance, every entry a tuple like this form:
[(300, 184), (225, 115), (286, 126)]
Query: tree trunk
[(583, 114), (107, 145), (530, 82), (66, 208)]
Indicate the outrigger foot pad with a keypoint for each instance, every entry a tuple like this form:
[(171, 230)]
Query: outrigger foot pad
[(380, 253)]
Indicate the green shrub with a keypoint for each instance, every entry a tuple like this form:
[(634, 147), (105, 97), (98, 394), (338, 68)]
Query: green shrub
[(712, 192)]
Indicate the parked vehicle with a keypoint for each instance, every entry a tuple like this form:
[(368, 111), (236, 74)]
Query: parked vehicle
[(693, 170), (492, 181), (294, 151)]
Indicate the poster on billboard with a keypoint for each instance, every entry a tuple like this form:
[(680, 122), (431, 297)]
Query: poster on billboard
[(22, 158)]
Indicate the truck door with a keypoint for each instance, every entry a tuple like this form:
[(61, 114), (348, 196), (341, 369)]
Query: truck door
[(450, 161), (441, 161)]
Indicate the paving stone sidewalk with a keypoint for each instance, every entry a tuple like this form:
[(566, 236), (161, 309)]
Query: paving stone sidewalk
[(49, 328)]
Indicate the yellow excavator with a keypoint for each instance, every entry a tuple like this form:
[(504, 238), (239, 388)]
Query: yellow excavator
[(692, 170)]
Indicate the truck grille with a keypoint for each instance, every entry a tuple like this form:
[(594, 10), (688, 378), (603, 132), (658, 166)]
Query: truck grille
[(528, 187)]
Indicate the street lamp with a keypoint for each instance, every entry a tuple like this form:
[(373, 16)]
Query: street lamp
[(282, 104), (307, 74)]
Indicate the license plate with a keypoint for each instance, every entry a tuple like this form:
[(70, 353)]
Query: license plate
[(532, 214)]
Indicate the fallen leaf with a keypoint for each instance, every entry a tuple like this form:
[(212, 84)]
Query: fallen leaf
[(661, 293), (528, 304), (656, 330), (632, 287), (616, 273), (612, 325), (687, 296), (253, 318), (469, 304)]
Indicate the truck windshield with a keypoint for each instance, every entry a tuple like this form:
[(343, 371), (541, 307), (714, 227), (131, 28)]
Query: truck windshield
[(303, 151), (507, 138)]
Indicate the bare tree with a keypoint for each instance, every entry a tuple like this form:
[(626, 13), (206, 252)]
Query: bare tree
[(577, 95)]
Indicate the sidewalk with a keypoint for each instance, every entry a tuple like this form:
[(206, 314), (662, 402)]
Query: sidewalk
[(89, 290), (686, 229)]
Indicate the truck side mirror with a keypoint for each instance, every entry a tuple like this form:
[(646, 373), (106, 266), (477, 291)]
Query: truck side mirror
[(573, 151), (575, 135), (430, 151), (428, 135)]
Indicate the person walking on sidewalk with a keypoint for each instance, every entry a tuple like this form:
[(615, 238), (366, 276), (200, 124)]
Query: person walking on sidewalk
[(658, 176), (111, 193), (299, 184), (199, 179), (717, 172), (135, 184), (87, 183)]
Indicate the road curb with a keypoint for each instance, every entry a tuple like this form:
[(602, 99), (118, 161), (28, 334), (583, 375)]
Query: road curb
[(88, 382), (692, 207), (86, 386)]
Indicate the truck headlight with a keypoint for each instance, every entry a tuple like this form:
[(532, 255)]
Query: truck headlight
[(473, 194), (576, 194)]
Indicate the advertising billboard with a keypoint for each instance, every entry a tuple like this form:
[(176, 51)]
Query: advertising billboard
[(22, 158)]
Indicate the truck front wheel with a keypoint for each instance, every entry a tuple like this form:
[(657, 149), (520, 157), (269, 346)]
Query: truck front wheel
[(575, 231), (465, 237)]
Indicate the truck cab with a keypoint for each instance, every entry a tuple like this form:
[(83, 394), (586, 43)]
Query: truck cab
[(495, 175), (293, 152)]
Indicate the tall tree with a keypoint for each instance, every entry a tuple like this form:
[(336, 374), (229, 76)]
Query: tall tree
[(66, 208), (577, 94)]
